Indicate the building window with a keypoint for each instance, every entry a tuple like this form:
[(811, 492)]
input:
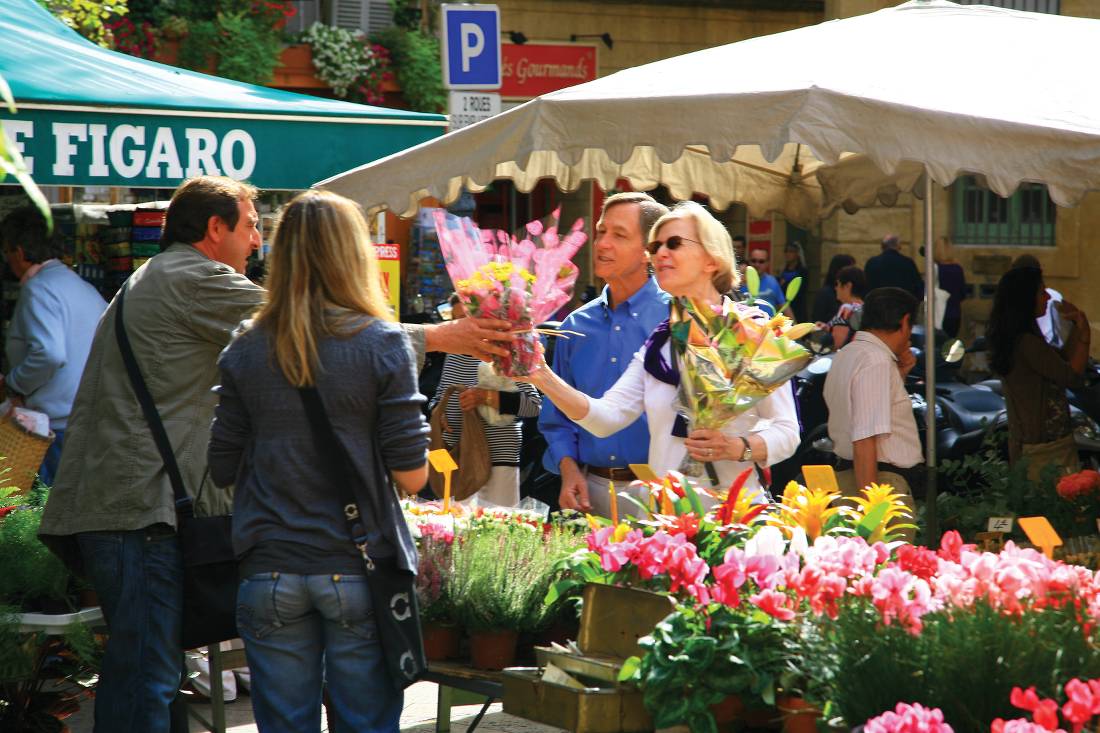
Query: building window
[(1032, 6), (1026, 218)]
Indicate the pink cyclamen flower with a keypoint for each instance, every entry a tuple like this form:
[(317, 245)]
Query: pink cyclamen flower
[(906, 718), (775, 604)]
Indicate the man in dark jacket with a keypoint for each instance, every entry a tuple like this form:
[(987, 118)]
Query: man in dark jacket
[(892, 269)]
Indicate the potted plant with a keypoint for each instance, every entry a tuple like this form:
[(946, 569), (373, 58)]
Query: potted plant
[(712, 664), (441, 633), (502, 573)]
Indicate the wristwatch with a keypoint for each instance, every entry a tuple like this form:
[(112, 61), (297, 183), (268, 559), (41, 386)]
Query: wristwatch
[(746, 456)]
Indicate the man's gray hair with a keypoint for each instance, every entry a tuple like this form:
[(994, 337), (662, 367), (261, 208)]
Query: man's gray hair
[(649, 209), (891, 241)]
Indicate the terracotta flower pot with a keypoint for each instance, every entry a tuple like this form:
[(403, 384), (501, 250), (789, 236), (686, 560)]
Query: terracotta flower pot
[(440, 642), (799, 716), (492, 649), (728, 710), (733, 710)]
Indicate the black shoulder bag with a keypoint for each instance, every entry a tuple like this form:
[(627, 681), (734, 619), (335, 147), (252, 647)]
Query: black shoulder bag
[(209, 566), (392, 589)]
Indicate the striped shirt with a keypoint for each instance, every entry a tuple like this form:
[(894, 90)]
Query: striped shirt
[(866, 398), (504, 440)]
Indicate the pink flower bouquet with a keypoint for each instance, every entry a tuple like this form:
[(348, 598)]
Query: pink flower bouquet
[(520, 281)]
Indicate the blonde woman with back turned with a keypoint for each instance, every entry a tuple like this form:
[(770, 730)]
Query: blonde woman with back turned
[(304, 609)]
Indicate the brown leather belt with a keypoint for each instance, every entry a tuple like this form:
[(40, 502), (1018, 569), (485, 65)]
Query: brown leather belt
[(612, 474)]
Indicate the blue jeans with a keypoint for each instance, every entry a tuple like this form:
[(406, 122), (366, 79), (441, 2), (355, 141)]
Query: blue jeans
[(138, 576), (302, 632), (48, 470)]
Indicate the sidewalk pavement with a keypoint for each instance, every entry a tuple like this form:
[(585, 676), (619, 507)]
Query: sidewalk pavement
[(417, 717)]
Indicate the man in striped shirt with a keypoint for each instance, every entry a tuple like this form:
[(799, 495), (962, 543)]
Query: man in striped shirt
[(871, 418)]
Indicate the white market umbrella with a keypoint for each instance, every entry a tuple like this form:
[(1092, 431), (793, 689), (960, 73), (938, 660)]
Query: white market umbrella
[(890, 86)]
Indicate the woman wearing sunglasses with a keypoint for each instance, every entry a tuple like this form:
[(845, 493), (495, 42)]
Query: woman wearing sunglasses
[(692, 255)]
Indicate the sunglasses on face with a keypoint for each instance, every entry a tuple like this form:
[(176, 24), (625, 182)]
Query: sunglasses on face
[(673, 243)]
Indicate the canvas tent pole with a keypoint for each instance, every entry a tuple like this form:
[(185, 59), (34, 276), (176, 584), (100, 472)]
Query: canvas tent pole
[(931, 518)]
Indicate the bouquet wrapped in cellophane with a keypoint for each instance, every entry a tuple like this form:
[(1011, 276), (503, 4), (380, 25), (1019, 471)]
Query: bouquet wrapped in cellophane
[(729, 359), (520, 281)]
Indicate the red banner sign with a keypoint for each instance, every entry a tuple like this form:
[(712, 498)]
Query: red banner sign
[(534, 69)]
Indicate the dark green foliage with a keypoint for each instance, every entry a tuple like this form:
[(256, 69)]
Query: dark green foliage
[(31, 571), (414, 57)]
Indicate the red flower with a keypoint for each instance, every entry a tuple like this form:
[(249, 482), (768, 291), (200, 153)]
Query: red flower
[(919, 561), (6, 510), (685, 524)]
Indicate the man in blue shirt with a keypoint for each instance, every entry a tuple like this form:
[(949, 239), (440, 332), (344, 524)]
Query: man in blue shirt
[(770, 290), (51, 330), (615, 325)]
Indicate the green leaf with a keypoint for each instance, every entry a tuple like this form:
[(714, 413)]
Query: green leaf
[(629, 671), (873, 519), (12, 163), (643, 510), (693, 499), (752, 281), (792, 289)]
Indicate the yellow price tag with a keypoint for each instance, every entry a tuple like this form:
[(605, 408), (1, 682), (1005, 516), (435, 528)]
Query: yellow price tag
[(1041, 534), (444, 463), (820, 478), (643, 472)]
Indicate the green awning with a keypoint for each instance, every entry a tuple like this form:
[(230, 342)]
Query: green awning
[(93, 117)]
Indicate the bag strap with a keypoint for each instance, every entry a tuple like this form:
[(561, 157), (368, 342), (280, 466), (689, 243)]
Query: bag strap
[(442, 406), (334, 453), (184, 504)]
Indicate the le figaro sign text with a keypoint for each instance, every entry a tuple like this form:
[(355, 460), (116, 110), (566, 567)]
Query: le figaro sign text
[(132, 151), (155, 149)]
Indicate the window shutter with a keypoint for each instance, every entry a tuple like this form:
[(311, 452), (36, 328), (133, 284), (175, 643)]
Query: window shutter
[(367, 16), (307, 15)]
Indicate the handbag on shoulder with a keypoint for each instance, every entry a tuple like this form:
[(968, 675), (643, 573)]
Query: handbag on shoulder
[(471, 453), (206, 543), (392, 590)]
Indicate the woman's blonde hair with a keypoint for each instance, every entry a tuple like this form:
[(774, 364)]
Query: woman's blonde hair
[(323, 277), (715, 238)]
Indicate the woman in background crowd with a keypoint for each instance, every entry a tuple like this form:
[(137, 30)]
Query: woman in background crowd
[(851, 286), (1035, 374), (825, 302), (953, 280)]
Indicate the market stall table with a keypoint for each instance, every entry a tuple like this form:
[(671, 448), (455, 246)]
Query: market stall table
[(463, 685)]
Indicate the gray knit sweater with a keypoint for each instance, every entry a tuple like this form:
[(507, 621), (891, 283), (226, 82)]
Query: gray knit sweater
[(261, 441)]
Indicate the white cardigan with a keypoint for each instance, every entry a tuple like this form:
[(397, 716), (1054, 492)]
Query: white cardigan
[(774, 419)]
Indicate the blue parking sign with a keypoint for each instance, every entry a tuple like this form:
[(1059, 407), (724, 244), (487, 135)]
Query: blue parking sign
[(471, 46)]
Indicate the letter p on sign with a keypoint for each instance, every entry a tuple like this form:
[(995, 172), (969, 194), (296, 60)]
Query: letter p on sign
[(471, 46), (473, 43)]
